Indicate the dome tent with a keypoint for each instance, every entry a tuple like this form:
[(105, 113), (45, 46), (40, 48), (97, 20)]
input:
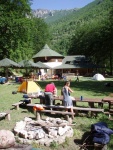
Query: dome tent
[(98, 77), (29, 87)]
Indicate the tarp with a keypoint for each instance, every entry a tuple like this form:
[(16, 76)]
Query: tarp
[(29, 87), (98, 77), (101, 133)]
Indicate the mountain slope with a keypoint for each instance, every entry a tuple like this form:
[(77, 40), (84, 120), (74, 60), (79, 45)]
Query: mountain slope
[(52, 15), (59, 14), (63, 29)]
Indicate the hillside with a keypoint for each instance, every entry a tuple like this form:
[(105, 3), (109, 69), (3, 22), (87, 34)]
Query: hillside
[(59, 14), (63, 29), (52, 15)]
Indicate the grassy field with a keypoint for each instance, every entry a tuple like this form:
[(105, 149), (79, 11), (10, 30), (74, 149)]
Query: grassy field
[(86, 87)]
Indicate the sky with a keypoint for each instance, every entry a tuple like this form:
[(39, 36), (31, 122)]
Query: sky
[(59, 4)]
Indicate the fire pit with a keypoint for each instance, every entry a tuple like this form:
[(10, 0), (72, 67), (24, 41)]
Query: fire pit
[(43, 132)]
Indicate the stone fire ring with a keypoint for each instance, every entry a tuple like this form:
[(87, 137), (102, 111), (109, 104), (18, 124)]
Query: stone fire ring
[(43, 132)]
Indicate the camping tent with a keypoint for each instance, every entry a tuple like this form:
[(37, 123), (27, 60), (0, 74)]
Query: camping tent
[(29, 87), (98, 77)]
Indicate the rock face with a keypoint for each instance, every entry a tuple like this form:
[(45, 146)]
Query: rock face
[(7, 139), (43, 132), (45, 13), (40, 13)]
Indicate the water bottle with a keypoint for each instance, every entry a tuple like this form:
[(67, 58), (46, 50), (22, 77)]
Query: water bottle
[(81, 98)]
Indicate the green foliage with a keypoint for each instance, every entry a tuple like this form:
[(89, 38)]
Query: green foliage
[(87, 31), (94, 39), (40, 34), (14, 26), (54, 145), (57, 15), (19, 31)]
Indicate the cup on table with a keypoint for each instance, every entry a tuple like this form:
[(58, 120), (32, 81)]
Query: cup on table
[(81, 98)]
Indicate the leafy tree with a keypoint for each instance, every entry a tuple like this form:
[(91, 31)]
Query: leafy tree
[(14, 27), (81, 23), (40, 33), (21, 35), (93, 38)]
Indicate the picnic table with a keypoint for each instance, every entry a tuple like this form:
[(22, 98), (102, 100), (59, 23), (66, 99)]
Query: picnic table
[(90, 101), (91, 104), (108, 100)]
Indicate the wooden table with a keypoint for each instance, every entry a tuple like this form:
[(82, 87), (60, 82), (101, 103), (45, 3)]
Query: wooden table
[(90, 101), (109, 100)]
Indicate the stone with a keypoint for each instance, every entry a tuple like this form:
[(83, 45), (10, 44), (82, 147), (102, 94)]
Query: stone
[(7, 139), (20, 125), (27, 119), (43, 132), (61, 131), (61, 139), (31, 135), (53, 132), (23, 134), (40, 134)]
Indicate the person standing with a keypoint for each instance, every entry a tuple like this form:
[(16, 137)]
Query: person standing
[(77, 80), (51, 88), (67, 99), (50, 91)]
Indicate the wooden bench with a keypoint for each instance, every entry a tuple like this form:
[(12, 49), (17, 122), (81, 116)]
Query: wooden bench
[(109, 113), (16, 105), (90, 110), (38, 112), (67, 114), (76, 109), (5, 115)]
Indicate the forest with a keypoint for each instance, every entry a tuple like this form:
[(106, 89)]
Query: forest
[(21, 35), (88, 31)]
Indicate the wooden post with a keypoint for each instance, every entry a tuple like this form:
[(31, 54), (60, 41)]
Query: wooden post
[(67, 118), (30, 100), (100, 105), (38, 115), (76, 112), (8, 117), (17, 107), (74, 103), (39, 78)]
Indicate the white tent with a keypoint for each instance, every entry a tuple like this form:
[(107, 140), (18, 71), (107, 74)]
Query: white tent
[(98, 77)]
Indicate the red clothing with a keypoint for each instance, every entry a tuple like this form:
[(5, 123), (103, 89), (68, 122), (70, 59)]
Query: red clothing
[(50, 88)]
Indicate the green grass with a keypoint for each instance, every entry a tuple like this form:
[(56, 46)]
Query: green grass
[(86, 87)]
